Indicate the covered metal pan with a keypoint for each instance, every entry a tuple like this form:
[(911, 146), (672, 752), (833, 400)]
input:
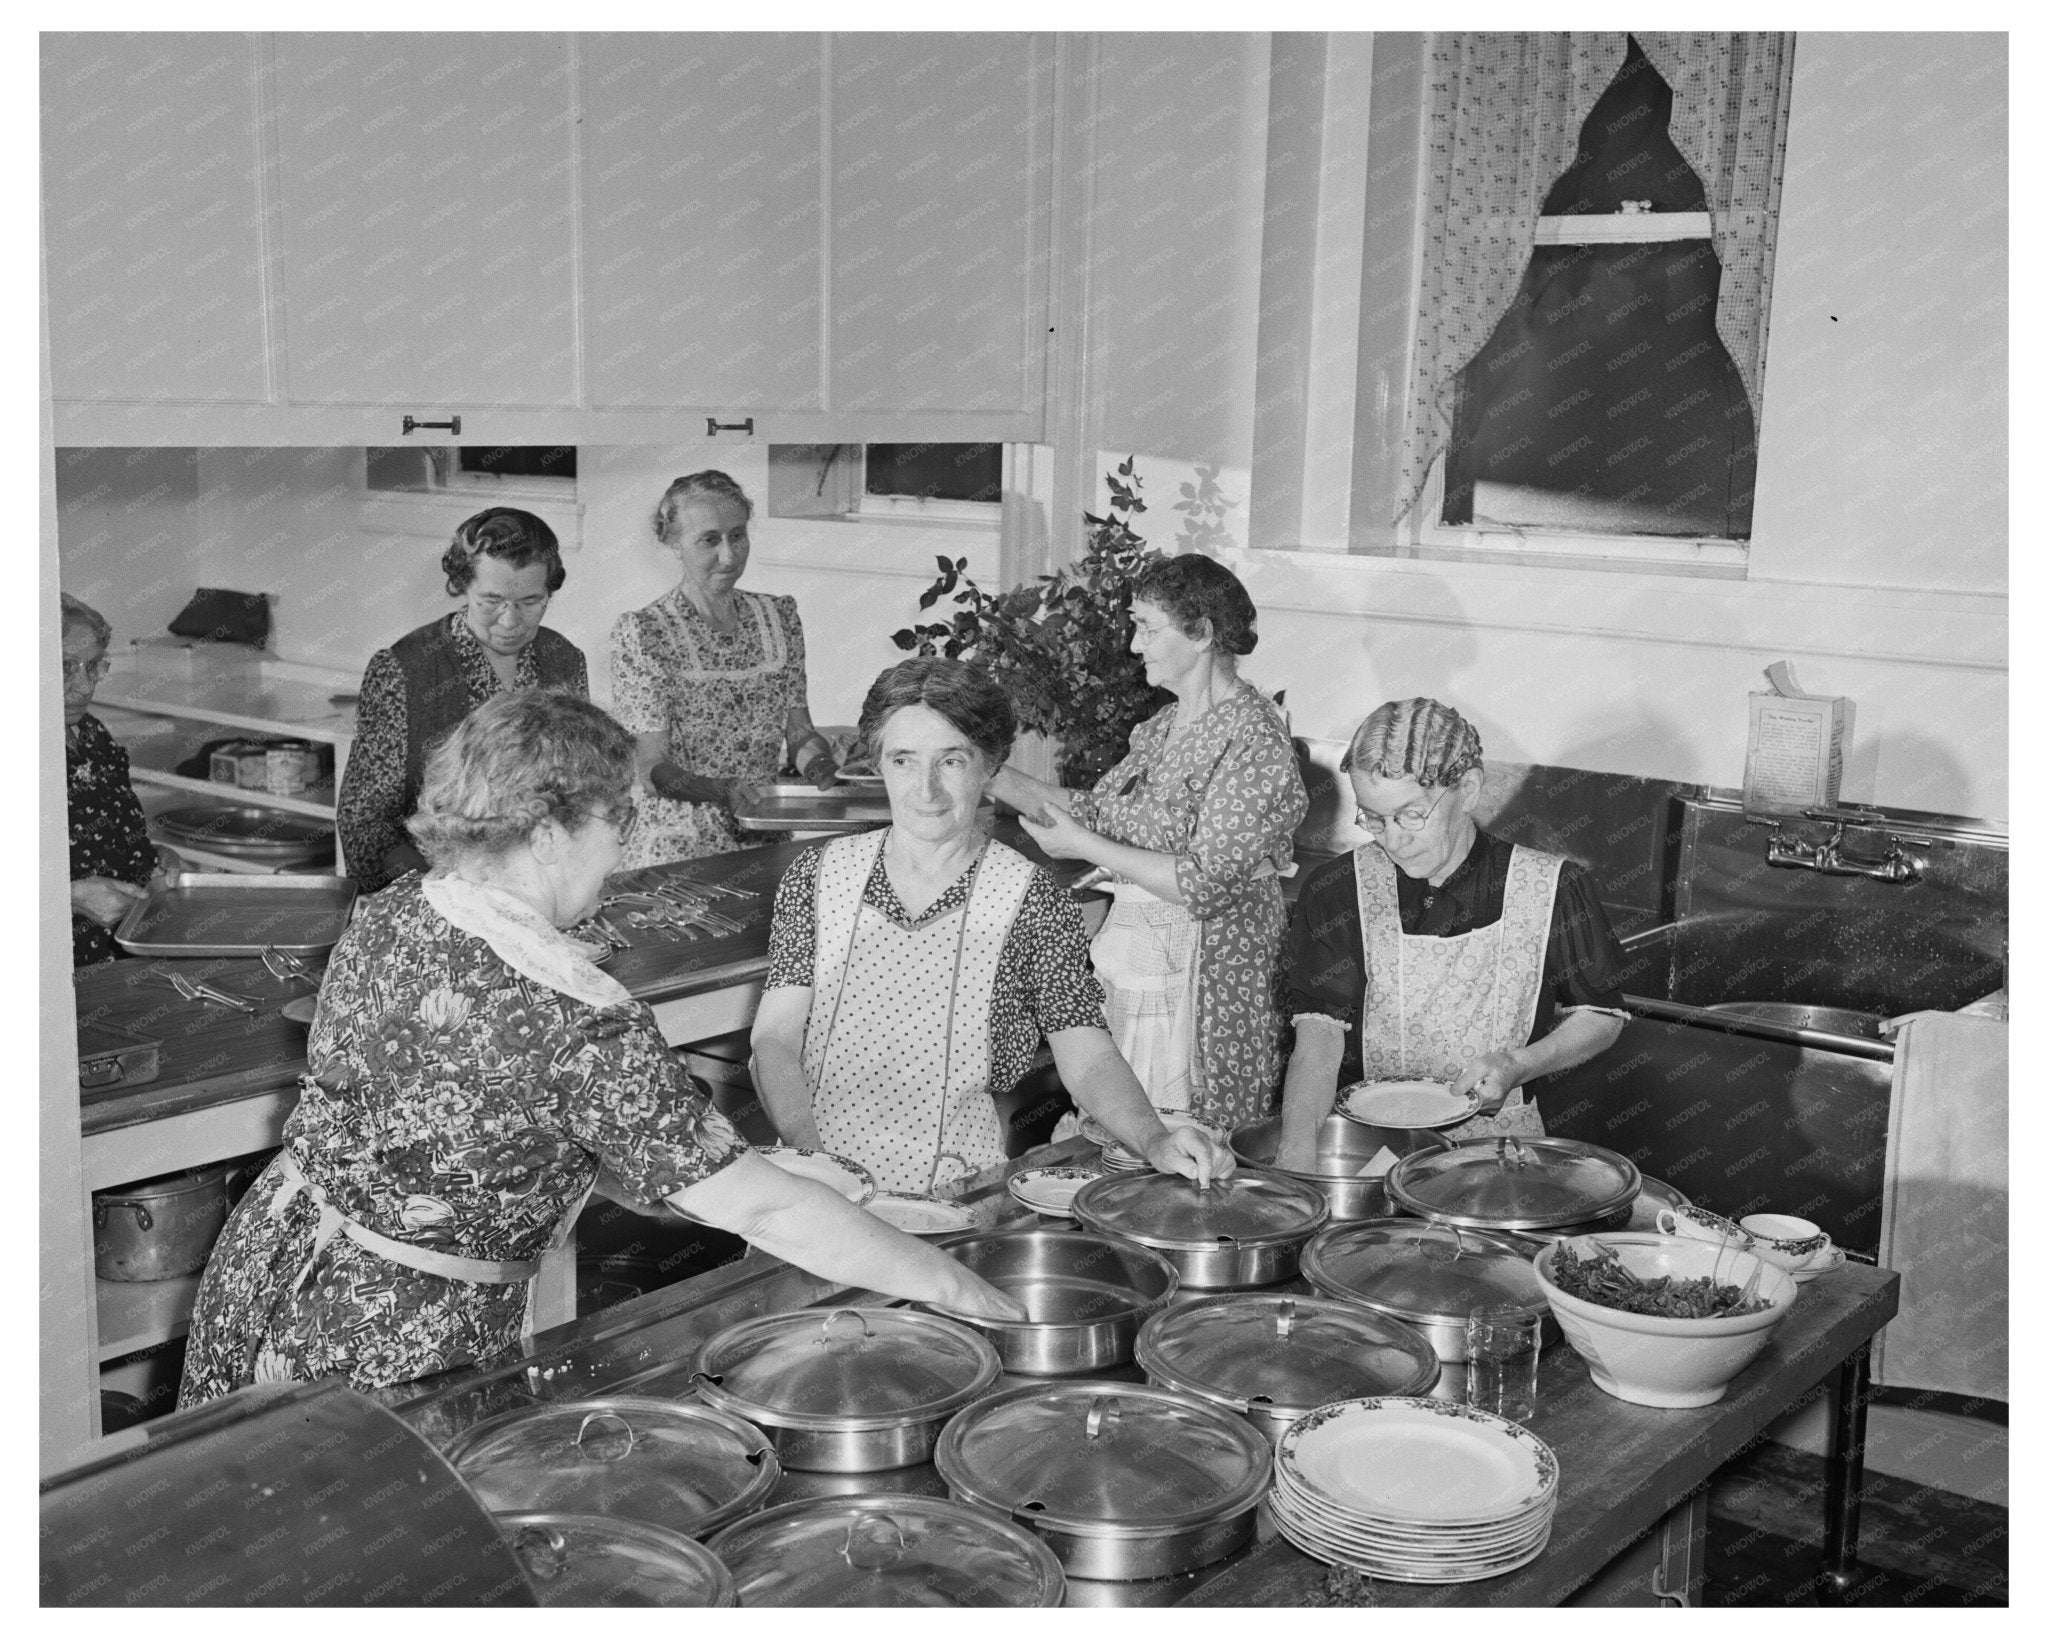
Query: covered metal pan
[(583, 1559), (1087, 1295), (1345, 1150), (850, 1390), (1429, 1275), (1517, 1184), (1244, 1230)]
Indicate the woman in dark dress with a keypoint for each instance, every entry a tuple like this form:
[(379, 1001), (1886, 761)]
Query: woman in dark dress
[(469, 1072), (505, 565), (1438, 952), (112, 858)]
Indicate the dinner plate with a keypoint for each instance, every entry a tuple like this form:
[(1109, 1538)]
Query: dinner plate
[(1393, 1568), (1051, 1190), (1413, 1105), (921, 1214), (850, 1178), (859, 779), (1421, 1547), (300, 1009), (1409, 1460)]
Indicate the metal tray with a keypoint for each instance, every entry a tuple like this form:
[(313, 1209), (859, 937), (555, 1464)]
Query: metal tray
[(201, 914), (245, 827), (801, 806)]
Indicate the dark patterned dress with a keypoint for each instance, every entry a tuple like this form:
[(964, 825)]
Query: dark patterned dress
[(413, 696), (723, 700), (1227, 800), (108, 835), (455, 1104)]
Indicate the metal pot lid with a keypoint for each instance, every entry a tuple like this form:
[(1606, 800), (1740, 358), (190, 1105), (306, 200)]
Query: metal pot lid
[(1159, 1209), (1425, 1273), (580, 1559), (1100, 1459), (887, 1551), (1515, 1183), (846, 1370), (1258, 1351), (245, 826), (679, 1464)]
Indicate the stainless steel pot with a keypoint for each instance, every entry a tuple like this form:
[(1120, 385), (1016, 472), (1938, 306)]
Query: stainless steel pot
[(1429, 1275), (1121, 1482), (581, 1559), (1343, 1149), (1087, 1295), (1514, 1185), (1245, 1230), (159, 1227), (847, 1391)]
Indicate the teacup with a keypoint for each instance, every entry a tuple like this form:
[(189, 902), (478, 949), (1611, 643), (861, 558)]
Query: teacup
[(1793, 1244), (1696, 1223)]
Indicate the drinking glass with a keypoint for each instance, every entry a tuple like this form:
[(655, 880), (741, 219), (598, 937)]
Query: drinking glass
[(1501, 1345)]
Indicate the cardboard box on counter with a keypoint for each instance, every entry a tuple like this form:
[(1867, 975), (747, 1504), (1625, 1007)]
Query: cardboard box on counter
[(1797, 743)]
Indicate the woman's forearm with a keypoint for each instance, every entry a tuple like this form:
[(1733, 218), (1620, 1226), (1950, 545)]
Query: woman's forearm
[(1102, 1084), (785, 1095), (1309, 1092), (670, 779), (1577, 1037), (1157, 873), (1026, 792)]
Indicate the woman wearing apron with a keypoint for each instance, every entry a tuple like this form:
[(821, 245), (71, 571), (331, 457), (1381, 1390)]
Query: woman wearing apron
[(1437, 952), (1196, 826), (914, 970), (710, 680)]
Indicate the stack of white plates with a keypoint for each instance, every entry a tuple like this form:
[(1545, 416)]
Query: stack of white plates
[(1116, 1158), (1050, 1191), (1414, 1490)]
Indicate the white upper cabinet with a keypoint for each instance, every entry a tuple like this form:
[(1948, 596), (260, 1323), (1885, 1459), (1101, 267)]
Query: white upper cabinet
[(426, 191), (151, 207), (299, 238)]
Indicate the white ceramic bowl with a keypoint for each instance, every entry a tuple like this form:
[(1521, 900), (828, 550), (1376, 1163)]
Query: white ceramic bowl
[(1655, 1362)]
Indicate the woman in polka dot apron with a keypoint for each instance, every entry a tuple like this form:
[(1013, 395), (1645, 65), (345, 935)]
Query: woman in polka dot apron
[(914, 970), (1196, 826), (1437, 952)]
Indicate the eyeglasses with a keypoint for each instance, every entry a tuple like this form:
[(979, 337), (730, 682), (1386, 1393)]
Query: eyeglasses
[(78, 670), (621, 819), (1407, 819), (491, 606)]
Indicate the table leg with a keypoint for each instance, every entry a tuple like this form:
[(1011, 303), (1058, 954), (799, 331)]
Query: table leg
[(1842, 1505)]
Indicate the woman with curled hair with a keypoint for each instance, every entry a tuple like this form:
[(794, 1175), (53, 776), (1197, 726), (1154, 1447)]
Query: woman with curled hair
[(710, 680), (1437, 951), (469, 1071), (1195, 827), (505, 565), (913, 971)]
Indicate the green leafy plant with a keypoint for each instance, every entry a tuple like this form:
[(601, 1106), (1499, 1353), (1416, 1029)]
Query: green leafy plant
[(1061, 647)]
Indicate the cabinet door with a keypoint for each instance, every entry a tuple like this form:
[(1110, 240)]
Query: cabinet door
[(151, 217), (940, 206), (702, 221), (426, 191)]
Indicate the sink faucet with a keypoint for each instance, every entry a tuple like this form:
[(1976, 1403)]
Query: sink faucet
[(1827, 857)]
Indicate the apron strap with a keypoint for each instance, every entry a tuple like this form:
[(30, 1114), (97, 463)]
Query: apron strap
[(333, 1221)]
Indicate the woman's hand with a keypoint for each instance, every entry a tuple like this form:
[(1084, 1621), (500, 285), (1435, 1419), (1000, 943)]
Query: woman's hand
[(102, 899), (1492, 1076), (1296, 1155), (822, 771), (1059, 833), (1191, 1152), (974, 1296)]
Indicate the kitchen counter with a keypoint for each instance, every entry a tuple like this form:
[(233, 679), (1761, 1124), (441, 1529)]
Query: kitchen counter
[(1624, 1467)]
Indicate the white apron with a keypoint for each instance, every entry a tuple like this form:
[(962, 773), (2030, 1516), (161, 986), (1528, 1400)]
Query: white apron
[(897, 1048), (1147, 955), (1434, 1005)]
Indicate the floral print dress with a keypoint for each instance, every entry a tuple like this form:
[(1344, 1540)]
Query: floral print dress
[(108, 835), (724, 701), (1227, 799), (453, 1103)]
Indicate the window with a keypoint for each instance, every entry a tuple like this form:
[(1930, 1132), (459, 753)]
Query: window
[(1605, 402), (482, 470), (954, 483)]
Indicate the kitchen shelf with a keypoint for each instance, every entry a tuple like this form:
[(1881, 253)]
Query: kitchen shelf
[(134, 1314), (315, 802), (257, 702)]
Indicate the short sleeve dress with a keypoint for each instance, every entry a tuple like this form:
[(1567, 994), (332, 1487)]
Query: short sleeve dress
[(723, 700), (453, 1103)]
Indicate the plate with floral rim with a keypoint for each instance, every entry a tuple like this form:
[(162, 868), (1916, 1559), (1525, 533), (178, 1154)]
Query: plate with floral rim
[(1414, 1106), (1412, 1460), (849, 1178), (1050, 1191)]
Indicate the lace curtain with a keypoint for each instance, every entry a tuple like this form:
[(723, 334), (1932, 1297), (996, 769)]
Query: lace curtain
[(1504, 121)]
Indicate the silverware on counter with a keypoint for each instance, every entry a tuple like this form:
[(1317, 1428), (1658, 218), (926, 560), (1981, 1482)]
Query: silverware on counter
[(193, 991), (285, 966)]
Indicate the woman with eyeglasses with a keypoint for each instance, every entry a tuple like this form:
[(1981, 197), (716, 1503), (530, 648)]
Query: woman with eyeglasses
[(112, 858), (1437, 951), (505, 565), (711, 680), (469, 1073)]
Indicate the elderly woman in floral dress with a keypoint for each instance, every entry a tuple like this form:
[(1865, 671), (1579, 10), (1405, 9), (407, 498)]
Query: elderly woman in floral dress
[(469, 1072), (1195, 827)]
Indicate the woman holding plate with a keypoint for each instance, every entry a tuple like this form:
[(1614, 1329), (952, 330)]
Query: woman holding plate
[(913, 971), (1437, 951)]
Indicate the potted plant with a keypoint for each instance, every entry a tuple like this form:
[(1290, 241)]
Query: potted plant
[(1061, 647)]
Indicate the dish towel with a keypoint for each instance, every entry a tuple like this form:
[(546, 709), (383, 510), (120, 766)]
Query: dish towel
[(1946, 1208)]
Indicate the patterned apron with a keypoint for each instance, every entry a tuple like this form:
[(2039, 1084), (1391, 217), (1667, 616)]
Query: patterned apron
[(1147, 954), (1434, 1005), (897, 1047)]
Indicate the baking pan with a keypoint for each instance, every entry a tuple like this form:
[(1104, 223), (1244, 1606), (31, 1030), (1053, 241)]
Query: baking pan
[(202, 914), (111, 1057), (800, 806)]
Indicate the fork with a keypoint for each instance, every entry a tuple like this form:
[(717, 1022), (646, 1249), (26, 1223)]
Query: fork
[(284, 965), (193, 991)]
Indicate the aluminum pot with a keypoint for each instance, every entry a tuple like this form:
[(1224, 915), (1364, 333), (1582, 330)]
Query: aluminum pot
[(159, 1227), (1087, 1295), (1430, 1276), (1343, 1149), (848, 1391), (1245, 1230), (585, 1559), (1121, 1482)]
